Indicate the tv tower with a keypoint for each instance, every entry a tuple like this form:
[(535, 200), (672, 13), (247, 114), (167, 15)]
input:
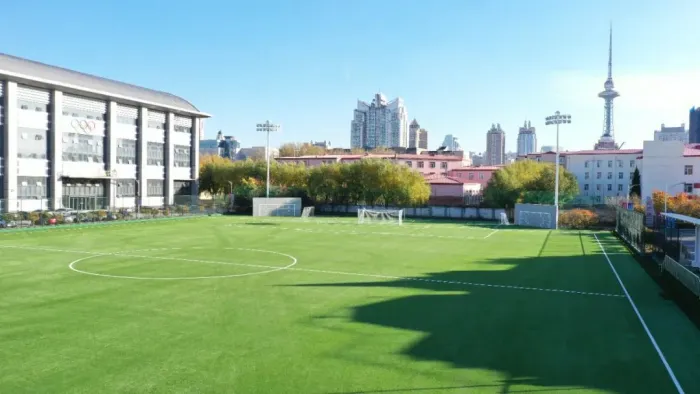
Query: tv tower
[(607, 140)]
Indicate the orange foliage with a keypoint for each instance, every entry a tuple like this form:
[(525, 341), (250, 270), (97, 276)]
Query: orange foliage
[(681, 203), (578, 218)]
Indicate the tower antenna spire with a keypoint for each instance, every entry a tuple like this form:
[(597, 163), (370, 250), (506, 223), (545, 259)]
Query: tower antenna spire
[(610, 54), (607, 140)]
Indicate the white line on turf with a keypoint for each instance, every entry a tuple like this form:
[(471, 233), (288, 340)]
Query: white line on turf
[(641, 319), (291, 268), (491, 233)]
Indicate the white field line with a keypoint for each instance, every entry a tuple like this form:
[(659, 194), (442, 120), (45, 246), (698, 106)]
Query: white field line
[(351, 232), (641, 319), (290, 268), (492, 233)]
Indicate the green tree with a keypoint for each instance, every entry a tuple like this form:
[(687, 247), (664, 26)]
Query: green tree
[(636, 185), (528, 181), (293, 149)]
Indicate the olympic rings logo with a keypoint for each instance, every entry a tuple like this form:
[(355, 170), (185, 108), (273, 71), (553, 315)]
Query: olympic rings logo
[(86, 126)]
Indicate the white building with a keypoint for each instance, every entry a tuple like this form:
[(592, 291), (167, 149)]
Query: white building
[(679, 134), (417, 136), (72, 140), (603, 173), (670, 166), (495, 146), (380, 124), (527, 140)]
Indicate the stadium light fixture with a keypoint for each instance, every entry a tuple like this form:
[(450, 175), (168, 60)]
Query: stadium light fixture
[(267, 128), (557, 119)]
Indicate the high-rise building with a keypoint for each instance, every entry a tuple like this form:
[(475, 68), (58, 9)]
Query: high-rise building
[(694, 126), (495, 146), (672, 134), (417, 136), (224, 146), (451, 143), (527, 140), (607, 140), (380, 124)]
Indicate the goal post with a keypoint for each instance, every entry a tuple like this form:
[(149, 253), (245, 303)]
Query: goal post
[(383, 216), (308, 212), (290, 206), (536, 215)]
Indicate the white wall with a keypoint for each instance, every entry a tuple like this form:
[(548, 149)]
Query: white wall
[(580, 164), (664, 166)]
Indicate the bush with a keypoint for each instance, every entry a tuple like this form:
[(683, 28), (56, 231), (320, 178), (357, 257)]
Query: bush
[(578, 219)]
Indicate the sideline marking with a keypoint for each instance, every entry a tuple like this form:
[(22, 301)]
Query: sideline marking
[(272, 268), (641, 320), (291, 268), (492, 233)]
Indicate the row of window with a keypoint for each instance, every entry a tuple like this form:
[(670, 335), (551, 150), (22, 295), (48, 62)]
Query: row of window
[(182, 156), (31, 188), (687, 187), (82, 148), (31, 106), (31, 143), (421, 164), (126, 151), (155, 154), (620, 175), (599, 163), (471, 175), (84, 189), (155, 188)]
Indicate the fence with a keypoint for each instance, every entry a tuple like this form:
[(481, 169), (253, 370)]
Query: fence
[(28, 213), (630, 226), (421, 212), (688, 278)]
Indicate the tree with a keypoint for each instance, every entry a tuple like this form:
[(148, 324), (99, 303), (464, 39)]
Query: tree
[(636, 186), (293, 149), (381, 150), (528, 181)]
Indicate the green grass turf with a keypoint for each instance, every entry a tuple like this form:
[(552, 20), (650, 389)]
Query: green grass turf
[(427, 307)]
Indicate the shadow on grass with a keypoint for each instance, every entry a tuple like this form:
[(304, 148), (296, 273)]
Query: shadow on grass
[(262, 224), (532, 336)]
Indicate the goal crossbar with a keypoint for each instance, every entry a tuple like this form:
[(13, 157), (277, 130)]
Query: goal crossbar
[(384, 216)]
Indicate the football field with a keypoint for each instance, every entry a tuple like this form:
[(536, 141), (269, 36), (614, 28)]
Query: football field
[(325, 305)]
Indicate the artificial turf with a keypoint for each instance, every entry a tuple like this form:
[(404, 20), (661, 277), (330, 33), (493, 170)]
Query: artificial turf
[(426, 307)]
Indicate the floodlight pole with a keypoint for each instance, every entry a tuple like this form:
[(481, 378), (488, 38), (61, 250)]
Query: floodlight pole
[(267, 127), (557, 119)]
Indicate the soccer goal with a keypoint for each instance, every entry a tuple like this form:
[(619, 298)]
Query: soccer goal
[(276, 206), (504, 219), (535, 219), (308, 212), (387, 216)]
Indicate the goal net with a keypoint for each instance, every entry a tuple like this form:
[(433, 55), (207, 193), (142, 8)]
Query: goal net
[(504, 219), (308, 212), (277, 210), (387, 216), (535, 219)]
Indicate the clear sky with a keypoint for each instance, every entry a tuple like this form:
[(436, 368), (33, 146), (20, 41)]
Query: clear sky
[(460, 65)]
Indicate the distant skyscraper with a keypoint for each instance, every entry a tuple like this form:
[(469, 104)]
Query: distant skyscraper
[(417, 137), (380, 124), (527, 140), (451, 143), (224, 146), (607, 140), (495, 146), (672, 134), (694, 126)]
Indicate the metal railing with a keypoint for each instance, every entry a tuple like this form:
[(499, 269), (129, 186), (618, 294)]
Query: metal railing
[(687, 277)]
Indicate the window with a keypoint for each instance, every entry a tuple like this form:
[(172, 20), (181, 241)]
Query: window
[(126, 188), (631, 163), (631, 176), (183, 129), (609, 187), (619, 188), (620, 175), (31, 143), (408, 163), (471, 175), (619, 163), (154, 188), (597, 187), (82, 147), (420, 164), (127, 120), (126, 151), (609, 163), (588, 175), (585, 164), (597, 163), (598, 174), (152, 124), (432, 164), (688, 187), (182, 156), (481, 175), (155, 154), (443, 164), (182, 188), (688, 170), (609, 175), (585, 186), (31, 188)]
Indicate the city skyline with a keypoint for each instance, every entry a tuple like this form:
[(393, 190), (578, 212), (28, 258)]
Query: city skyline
[(458, 86)]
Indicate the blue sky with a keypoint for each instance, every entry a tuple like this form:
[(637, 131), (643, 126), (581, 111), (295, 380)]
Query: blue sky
[(459, 65)]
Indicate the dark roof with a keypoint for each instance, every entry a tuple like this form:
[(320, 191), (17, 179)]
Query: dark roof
[(30, 69)]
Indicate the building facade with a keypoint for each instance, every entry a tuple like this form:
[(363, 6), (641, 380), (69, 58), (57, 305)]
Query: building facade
[(379, 124), (495, 146), (474, 175), (679, 134), (77, 141), (694, 126), (603, 173), (417, 136), (451, 143), (670, 166), (527, 140)]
